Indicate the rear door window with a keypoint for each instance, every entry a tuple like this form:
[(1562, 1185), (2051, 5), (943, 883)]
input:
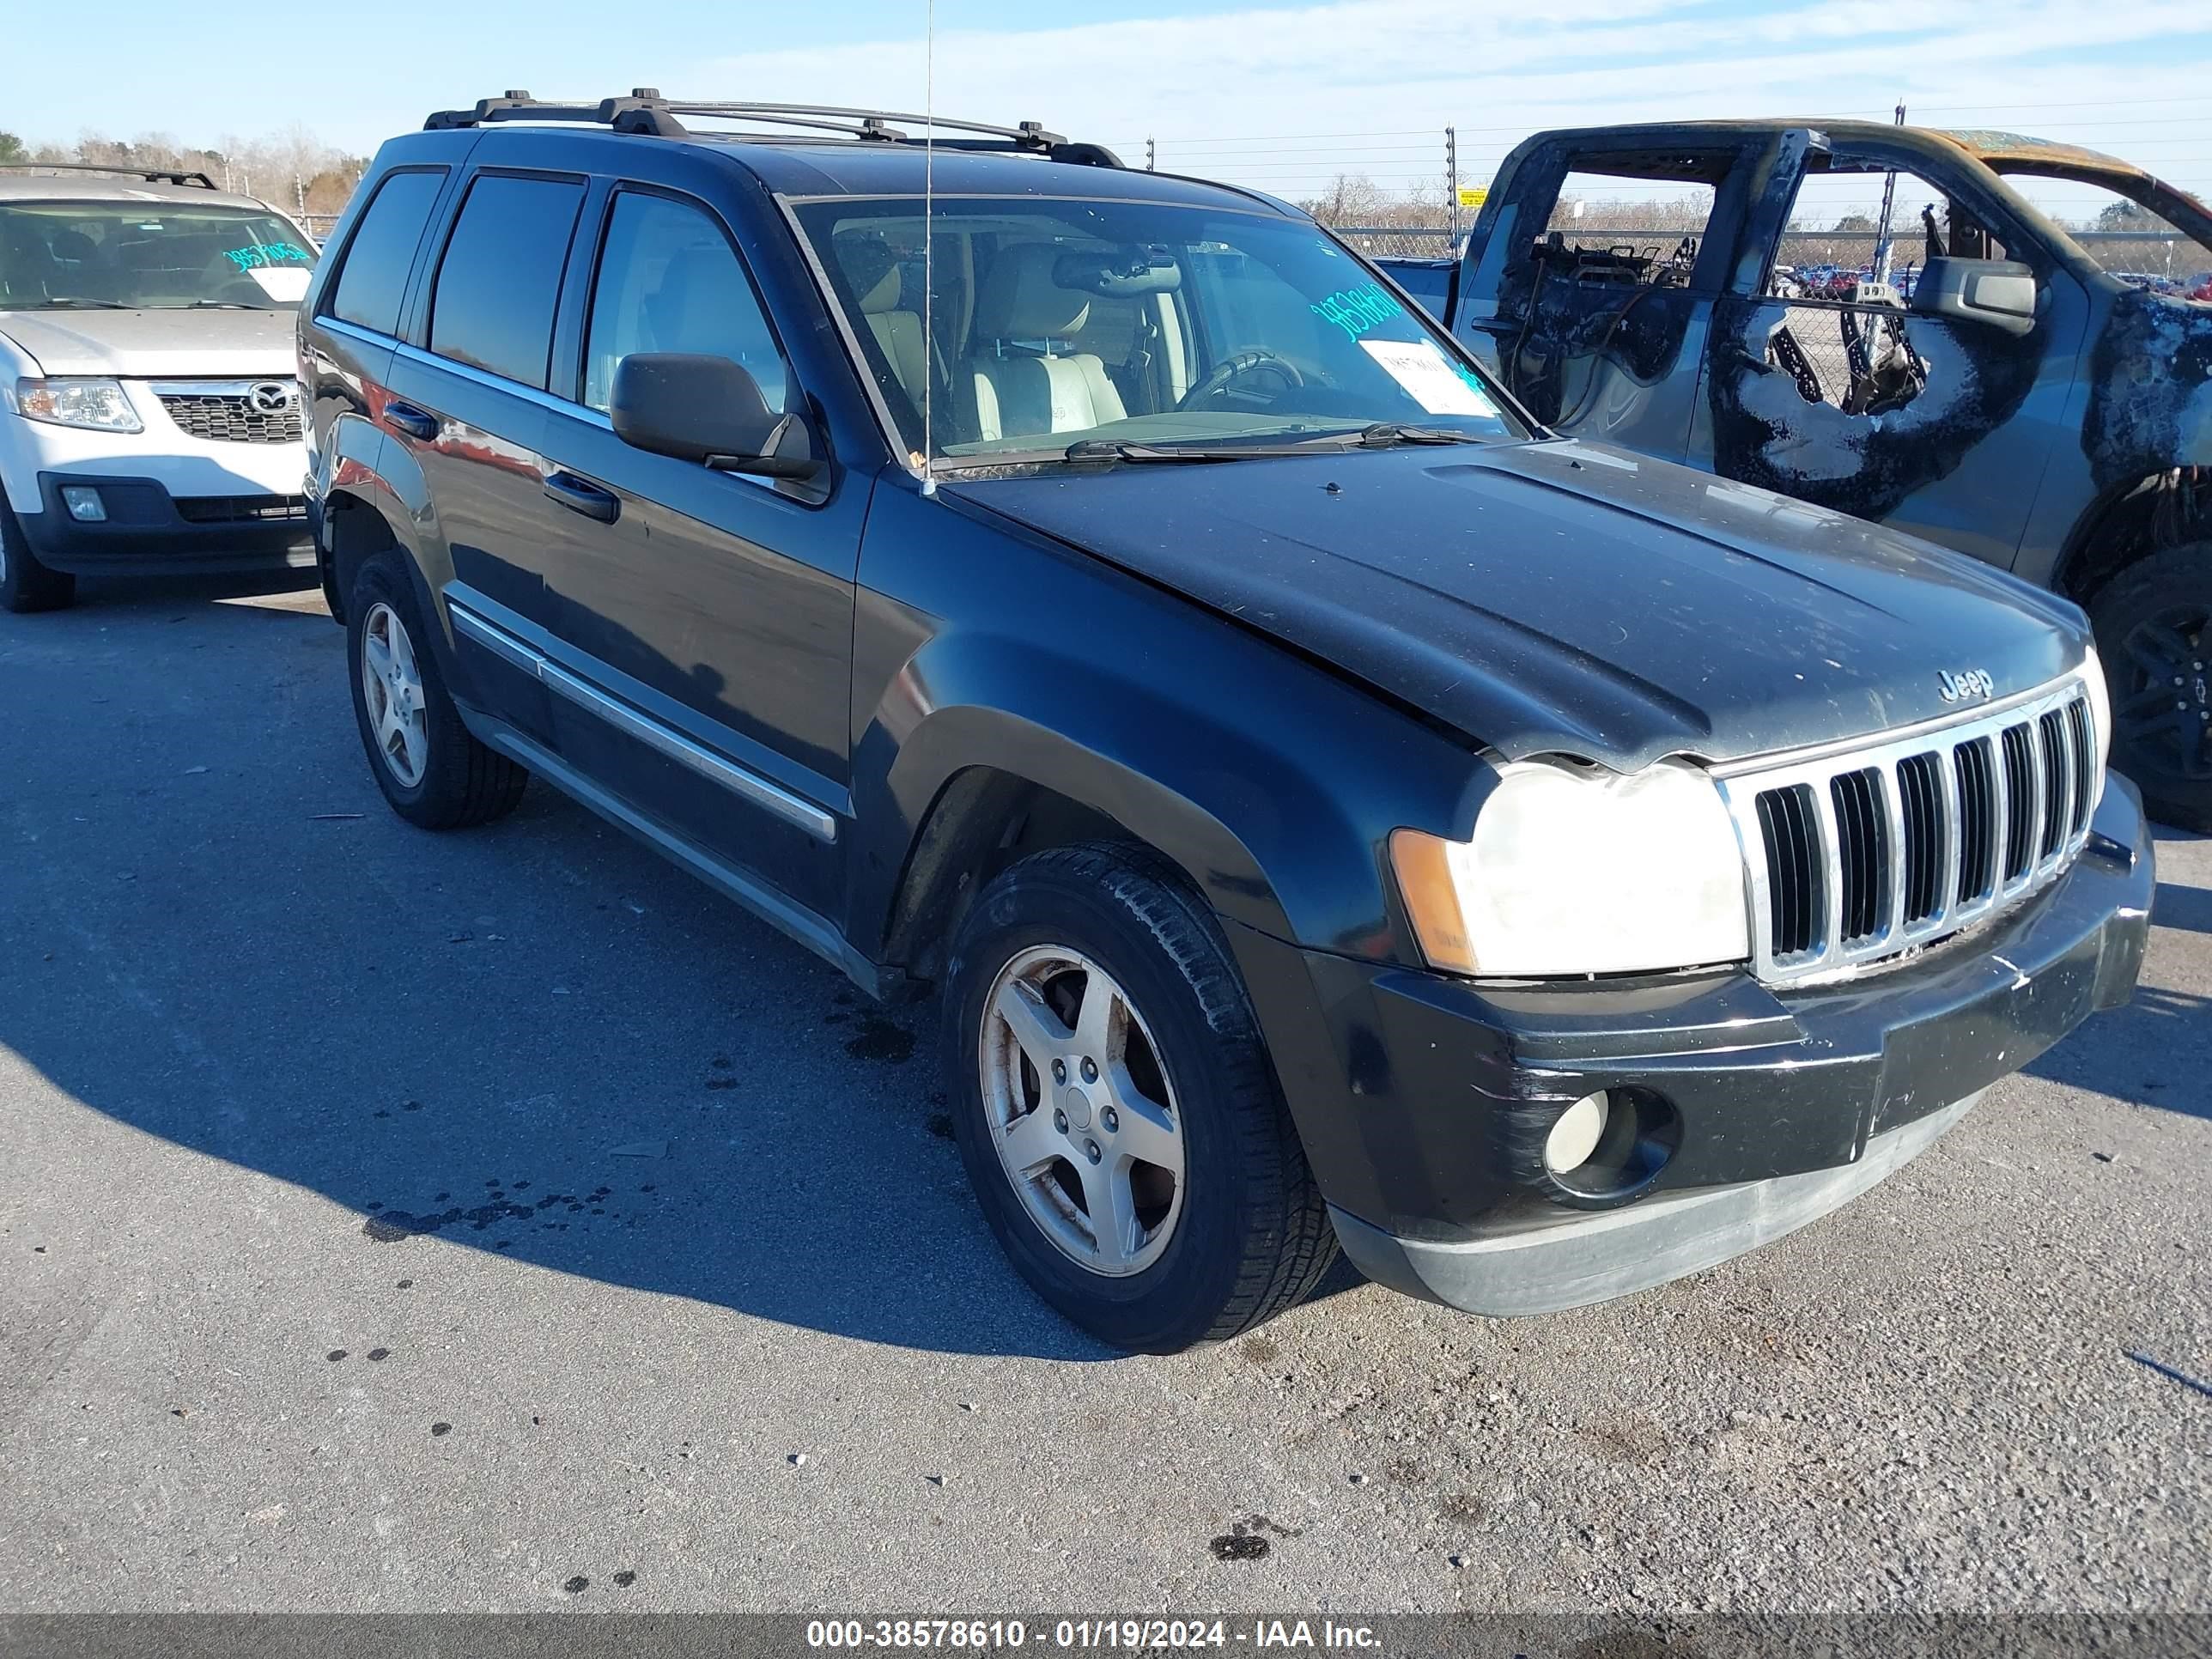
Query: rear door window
[(669, 281), (373, 279), (500, 280)]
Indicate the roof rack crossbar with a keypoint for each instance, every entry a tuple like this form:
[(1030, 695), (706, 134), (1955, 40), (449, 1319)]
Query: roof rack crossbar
[(152, 175), (645, 111), (1030, 135)]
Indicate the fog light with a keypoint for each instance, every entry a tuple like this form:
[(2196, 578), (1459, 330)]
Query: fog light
[(84, 504), (1578, 1130)]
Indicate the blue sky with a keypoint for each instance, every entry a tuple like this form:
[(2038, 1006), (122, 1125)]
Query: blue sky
[(1281, 94)]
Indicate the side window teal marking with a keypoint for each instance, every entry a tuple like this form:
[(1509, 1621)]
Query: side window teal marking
[(1356, 310)]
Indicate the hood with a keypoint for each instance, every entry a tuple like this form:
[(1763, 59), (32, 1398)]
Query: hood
[(139, 344), (1561, 597)]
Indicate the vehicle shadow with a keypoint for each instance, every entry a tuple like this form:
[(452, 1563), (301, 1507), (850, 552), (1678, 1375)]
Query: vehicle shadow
[(2157, 1051), (2189, 909), (537, 1039)]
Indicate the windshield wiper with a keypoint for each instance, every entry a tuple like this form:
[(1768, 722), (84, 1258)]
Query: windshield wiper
[(1381, 435), (1377, 435), (55, 302), (215, 304), (1113, 449)]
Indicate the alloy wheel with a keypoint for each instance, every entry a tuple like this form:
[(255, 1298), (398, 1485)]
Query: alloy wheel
[(392, 686), (1080, 1111)]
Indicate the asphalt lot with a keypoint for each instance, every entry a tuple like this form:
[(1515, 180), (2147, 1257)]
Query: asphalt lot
[(709, 1320)]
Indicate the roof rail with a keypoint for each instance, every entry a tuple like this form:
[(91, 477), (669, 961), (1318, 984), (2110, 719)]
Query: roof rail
[(152, 175), (646, 112)]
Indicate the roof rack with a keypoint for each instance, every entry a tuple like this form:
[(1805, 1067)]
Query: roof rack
[(646, 112), (152, 175)]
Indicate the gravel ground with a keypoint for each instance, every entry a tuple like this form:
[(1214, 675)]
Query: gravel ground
[(709, 1319)]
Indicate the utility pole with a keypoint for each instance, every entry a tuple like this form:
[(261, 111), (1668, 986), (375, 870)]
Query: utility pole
[(1881, 229), (1451, 181), (1151, 154)]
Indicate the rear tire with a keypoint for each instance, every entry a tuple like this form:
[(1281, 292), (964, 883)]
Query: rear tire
[(25, 584), (430, 766), (1174, 1066), (2153, 627)]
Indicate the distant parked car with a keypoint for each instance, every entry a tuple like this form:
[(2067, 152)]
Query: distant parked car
[(2026, 405), (150, 407)]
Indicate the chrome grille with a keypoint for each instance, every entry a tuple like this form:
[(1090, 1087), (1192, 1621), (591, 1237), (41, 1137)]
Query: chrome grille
[(237, 412), (1860, 852)]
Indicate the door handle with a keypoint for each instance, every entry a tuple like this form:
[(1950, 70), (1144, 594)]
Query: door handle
[(406, 417), (580, 495)]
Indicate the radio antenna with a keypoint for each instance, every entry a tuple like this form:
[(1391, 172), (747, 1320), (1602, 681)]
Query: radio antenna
[(928, 248)]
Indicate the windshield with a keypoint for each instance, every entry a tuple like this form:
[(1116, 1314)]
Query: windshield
[(1113, 324), (148, 256), (2141, 230)]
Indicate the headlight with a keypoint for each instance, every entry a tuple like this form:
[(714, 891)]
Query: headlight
[(2100, 717), (99, 405), (1572, 872)]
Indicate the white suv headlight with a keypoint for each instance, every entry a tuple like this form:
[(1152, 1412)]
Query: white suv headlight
[(101, 405), (1573, 871)]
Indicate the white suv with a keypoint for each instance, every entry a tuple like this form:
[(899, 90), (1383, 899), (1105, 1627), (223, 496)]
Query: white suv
[(149, 404)]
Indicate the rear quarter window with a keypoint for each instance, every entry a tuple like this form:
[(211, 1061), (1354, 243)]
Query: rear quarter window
[(373, 279), (500, 280)]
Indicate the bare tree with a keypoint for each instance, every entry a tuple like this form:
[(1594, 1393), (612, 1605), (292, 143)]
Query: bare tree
[(292, 169)]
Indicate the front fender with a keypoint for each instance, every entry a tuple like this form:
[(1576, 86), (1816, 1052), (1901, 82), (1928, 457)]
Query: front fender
[(360, 469), (2149, 407)]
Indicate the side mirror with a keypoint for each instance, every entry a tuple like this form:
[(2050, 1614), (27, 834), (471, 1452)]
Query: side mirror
[(1993, 291), (707, 410)]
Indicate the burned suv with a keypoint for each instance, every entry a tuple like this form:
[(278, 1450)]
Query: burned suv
[(1942, 356), (1329, 807)]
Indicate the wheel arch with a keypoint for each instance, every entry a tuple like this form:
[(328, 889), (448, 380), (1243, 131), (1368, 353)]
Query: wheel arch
[(378, 500), (2130, 520), (993, 788)]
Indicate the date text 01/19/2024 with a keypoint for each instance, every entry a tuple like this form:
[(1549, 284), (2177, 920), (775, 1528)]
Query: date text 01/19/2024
[(1084, 1634)]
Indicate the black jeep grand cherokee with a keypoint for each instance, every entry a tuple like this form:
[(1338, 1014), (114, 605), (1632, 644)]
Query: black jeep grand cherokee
[(1332, 808)]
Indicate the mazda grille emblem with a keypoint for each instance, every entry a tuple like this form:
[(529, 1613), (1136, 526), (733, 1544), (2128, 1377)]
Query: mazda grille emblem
[(270, 398)]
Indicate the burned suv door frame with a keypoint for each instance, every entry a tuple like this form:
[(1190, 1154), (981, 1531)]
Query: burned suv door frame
[(1608, 342), (1943, 447)]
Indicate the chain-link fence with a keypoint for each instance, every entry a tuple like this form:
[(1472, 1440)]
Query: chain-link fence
[(1400, 242), (1826, 259), (1859, 358)]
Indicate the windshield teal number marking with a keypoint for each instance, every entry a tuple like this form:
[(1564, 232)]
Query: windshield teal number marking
[(1356, 310), (257, 255)]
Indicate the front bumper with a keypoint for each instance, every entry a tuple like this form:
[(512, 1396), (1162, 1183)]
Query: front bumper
[(1424, 1102), (148, 530)]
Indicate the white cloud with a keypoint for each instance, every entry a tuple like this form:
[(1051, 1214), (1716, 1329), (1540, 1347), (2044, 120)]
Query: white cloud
[(1219, 90)]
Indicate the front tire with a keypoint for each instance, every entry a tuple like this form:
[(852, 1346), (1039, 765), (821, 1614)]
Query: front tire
[(2153, 627), (430, 766), (25, 584), (1117, 1109)]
